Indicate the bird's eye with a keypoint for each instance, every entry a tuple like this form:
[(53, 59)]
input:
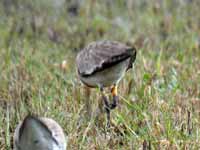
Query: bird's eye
[(36, 141)]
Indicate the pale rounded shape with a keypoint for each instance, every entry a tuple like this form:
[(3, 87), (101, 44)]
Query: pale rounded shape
[(56, 141)]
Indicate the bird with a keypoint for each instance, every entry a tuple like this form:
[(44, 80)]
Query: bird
[(103, 64), (39, 133)]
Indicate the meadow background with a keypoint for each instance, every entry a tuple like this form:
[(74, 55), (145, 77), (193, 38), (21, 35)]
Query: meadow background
[(159, 99)]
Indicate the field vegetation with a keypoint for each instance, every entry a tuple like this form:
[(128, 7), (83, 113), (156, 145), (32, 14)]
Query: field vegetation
[(159, 98)]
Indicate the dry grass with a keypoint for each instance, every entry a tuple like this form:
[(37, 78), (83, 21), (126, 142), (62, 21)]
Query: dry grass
[(159, 99)]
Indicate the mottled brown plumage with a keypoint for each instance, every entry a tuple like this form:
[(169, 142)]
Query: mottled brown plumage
[(100, 55)]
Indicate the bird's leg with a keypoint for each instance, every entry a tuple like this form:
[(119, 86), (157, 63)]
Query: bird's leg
[(107, 107), (87, 93), (115, 97)]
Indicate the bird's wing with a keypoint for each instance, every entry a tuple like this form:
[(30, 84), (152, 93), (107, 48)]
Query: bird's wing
[(100, 55)]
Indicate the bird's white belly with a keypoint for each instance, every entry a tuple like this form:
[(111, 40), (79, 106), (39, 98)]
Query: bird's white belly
[(107, 77)]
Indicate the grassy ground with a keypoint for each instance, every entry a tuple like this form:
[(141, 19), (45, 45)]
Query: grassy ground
[(159, 99)]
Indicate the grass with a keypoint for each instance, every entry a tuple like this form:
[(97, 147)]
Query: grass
[(159, 99)]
